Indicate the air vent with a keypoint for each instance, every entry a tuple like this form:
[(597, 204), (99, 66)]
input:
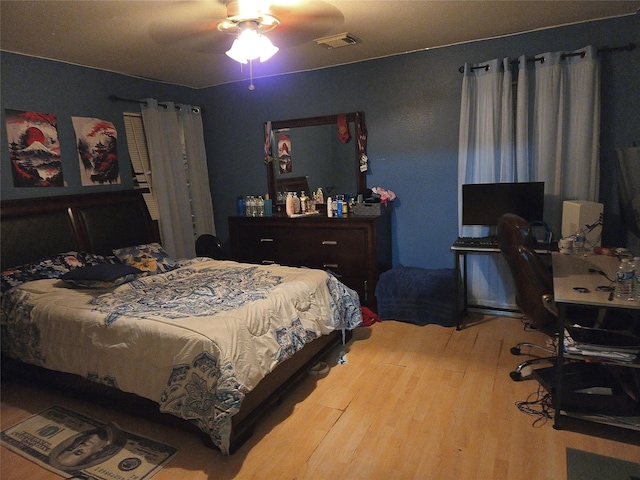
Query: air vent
[(340, 40)]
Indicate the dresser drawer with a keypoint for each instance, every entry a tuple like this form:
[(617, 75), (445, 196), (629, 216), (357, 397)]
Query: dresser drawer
[(329, 240), (341, 262), (263, 245), (355, 249)]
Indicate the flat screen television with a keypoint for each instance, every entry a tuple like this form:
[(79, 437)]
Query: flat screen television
[(485, 203)]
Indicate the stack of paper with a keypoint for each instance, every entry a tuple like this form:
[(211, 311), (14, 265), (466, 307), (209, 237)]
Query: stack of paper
[(601, 344)]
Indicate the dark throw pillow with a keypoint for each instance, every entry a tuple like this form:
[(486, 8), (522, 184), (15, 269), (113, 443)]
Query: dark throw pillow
[(101, 276)]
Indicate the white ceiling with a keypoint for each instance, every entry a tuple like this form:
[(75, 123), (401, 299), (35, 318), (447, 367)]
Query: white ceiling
[(148, 38)]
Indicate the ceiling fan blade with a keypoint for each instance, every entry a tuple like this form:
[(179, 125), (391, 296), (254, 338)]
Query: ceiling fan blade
[(304, 21), (191, 25)]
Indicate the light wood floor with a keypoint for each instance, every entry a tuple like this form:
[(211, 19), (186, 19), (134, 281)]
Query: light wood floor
[(410, 403)]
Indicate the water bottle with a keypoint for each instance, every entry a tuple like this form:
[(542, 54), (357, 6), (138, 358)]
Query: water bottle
[(625, 277), (578, 244), (260, 206)]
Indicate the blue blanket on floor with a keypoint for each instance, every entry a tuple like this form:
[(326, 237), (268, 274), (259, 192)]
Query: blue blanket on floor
[(417, 295)]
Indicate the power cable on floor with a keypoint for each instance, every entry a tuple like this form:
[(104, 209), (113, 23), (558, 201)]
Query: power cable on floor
[(539, 404)]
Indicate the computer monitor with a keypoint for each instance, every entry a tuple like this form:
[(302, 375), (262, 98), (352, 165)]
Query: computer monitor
[(485, 203)]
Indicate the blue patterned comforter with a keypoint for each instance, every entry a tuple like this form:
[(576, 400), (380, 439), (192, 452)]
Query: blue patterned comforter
[(196, 339)]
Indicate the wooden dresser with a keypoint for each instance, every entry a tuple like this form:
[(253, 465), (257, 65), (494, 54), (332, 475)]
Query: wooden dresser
[(356, 249)]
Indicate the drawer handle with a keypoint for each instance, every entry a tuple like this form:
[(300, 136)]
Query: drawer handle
[(268, 262), (329, 242), (330, 265), (262, 240)]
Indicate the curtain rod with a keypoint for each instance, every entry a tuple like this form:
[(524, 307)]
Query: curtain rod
[(624, 48), (115, 98)]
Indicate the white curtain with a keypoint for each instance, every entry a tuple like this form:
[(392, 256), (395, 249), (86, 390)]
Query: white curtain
[(486, 154), (176, 152), (196, 155), (553, 137), (558, 116)]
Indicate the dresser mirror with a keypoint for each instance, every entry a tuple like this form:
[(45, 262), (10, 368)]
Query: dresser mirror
[(307, 153)]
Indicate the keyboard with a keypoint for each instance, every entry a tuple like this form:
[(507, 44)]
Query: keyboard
[(487, 242)]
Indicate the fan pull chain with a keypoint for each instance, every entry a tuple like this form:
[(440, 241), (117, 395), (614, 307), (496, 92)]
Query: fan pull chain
[(251, 85)]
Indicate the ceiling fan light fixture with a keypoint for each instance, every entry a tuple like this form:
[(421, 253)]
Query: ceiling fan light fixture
[(251, 44), (267, 49)]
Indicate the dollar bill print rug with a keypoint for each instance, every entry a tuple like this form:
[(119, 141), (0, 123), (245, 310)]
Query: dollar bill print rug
[(76, 446)]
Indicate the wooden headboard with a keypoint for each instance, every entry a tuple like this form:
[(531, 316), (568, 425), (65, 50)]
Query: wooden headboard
[(35, 228)]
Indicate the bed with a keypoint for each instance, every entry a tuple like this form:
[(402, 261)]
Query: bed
[(213, 343)]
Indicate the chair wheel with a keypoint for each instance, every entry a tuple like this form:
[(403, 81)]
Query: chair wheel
[(515, 350), (515, 376)]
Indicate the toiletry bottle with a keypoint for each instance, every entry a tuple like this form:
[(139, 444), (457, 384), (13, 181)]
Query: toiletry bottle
[(240, 210), (304, 202), (329, 207), (268, 206), (296, 203), (289, 204), (312, 203)]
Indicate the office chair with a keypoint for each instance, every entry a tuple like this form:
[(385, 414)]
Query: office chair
[(533, 281), (209, 246)]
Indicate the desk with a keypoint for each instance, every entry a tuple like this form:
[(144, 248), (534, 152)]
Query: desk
[(460, 264), (573, 271)]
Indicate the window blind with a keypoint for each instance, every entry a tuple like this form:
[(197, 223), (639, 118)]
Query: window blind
[(137, 145)]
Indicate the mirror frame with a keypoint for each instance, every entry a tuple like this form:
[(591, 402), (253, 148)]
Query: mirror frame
[(359, 138)]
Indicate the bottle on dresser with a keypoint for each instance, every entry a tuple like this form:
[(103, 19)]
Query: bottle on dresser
[(290, 208), (268, 205), (240, 208), (296, 203), (304, 202), (250, 206), (260, 206), (338, 205)]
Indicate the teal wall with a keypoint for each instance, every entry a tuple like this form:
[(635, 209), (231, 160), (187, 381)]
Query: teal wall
[(411, 103)]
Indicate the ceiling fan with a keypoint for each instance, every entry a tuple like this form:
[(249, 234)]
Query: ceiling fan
[(212, 26)]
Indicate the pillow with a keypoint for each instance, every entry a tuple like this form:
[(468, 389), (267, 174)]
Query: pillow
[(101, 276), (51, 267), (95, 259), (150, 258)]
